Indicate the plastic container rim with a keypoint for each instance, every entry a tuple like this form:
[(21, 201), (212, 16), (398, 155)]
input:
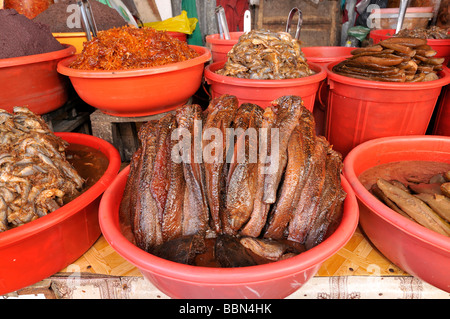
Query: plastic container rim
[(22, 232), (215, 38), (383, 33), (205, 275), (210, 75), (444, 79), (36, 58), (404, 224), (63, 68)]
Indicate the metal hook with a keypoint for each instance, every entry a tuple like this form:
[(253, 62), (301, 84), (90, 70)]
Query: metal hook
[(87, 17), (299, 23)]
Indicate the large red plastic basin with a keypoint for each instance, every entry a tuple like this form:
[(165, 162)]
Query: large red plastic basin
[(33, 81), (39, 249), (221, 47), (274, 280), (415, 249), (263, 92), (361, 110), (442, 124), (139, 92), (441, 46)]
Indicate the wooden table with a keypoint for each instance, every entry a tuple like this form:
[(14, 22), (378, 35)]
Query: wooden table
[(357, 271)]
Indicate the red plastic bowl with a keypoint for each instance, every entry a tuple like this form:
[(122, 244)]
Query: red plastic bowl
[(361, 110), (275, 280), (324, 55), (33, 81), (441, 46), (39, 249), (139, 92), (412, 247), (263, 92), (221, 47), (442, 124)]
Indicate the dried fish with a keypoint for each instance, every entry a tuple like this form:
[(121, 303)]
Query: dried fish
[(266, 55)]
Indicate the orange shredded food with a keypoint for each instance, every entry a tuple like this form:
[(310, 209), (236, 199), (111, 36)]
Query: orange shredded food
[(129, 47)]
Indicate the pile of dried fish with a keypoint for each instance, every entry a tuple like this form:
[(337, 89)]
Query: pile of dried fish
[(266, 55), (433, 32), (35, 177), (425, 203), (270, 190), (393, 60)]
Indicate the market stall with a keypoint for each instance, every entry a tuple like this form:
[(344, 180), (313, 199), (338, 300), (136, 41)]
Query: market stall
[(151, 153)]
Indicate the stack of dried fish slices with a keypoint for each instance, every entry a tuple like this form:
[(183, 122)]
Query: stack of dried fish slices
[(266, 55), (428, 204), (172, 207), (433, 32), (35, 177), (393, 60)]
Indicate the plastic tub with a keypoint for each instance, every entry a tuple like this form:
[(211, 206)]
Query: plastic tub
[(441, 46), (33, 81), (263, 92), (386, 18), (323, 55), (361, 110), (273, 280), (415, 249), (73, 38), (220, 47), (139, 92), (39, 249), (442, 124)]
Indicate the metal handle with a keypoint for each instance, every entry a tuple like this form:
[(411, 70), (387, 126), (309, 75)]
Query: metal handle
[(401, 14), (222, 23), (299, 23), (87, 18)]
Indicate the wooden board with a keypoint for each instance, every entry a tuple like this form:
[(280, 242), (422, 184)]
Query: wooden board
[(357, 258)]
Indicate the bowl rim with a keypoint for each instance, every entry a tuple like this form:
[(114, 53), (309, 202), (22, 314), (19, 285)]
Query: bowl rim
[(109, 221), (210, 75), (444, 79), (205, 55), (382, 33), (404, 224), (215, 38), (68, 51), (27, 230), (69, 34)]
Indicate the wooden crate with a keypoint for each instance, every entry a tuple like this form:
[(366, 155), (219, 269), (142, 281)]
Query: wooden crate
[(321, 22)]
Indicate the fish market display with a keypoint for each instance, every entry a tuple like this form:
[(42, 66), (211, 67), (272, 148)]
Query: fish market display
[(232, 185), (266, 55), (129, 47), (397, 59), (35, 177)]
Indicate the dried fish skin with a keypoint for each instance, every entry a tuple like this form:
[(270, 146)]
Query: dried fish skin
[(266, 55)]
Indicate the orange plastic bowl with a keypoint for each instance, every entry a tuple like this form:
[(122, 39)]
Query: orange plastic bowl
[(274, 280), (36, 250), (33, 81), (412, 247), (138, 92), (221, 47), (263, 92)]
